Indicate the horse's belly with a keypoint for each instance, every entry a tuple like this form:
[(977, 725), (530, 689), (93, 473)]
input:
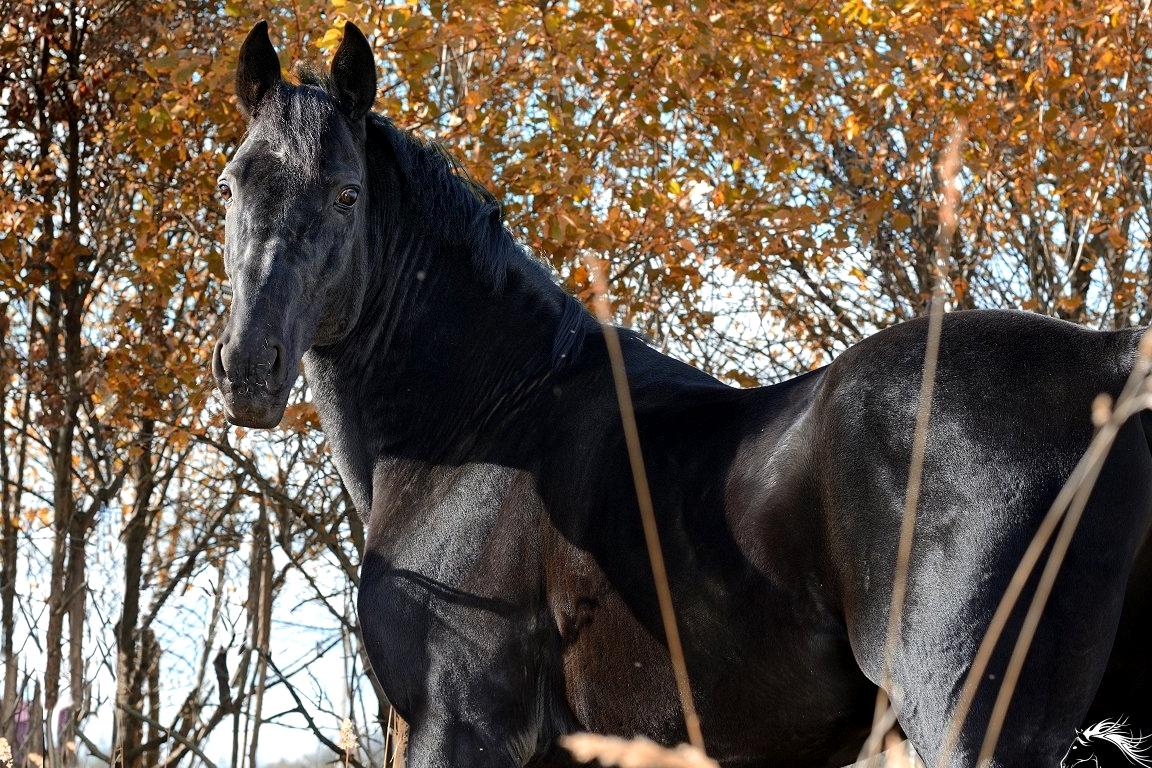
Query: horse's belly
[(767, 686)]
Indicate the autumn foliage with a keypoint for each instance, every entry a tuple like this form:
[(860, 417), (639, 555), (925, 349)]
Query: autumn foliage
[(759, 176)]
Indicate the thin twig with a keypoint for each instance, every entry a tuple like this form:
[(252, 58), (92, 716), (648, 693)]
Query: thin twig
[(94, 750), (173, 733), (303, 710), (644, 501)]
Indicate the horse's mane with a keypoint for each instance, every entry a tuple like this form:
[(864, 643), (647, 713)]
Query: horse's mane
[(1116, 733), (468, 216)]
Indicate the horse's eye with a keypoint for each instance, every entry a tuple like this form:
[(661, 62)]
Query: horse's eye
[(348, 197), (225, 192)]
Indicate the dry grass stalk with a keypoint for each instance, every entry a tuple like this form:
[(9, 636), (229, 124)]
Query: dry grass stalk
[(400, 754), (396, 738), (949, 170), (896, 752), (1137, 396), (634, 753), (347, 739), (644, 502)]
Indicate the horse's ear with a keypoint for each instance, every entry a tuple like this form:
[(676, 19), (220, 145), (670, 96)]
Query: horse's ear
[(259, 69), (354, 73)]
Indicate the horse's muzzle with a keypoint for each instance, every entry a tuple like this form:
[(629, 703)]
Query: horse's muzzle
[(252, 380)]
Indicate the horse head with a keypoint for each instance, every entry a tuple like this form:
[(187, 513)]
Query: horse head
[(294, 246), (1080, 753)]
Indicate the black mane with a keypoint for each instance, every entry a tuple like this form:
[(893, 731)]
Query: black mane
[(466, 216)]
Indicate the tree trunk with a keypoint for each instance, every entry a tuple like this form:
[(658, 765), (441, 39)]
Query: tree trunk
[(129, 659), (260, 609), (8, 550), (150, 663)]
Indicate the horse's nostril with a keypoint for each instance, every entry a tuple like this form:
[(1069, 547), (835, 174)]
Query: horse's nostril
[(249, 361), (218, 369), (277, 368)]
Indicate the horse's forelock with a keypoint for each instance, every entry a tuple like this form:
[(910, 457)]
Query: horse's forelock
[(295, 121), (308, 73)]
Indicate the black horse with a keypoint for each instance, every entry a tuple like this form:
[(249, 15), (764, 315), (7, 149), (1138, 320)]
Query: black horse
[(506, 596)]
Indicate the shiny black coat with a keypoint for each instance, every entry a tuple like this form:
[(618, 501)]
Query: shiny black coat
[(507, 598)]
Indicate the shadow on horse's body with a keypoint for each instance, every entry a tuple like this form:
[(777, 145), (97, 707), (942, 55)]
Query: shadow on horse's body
[(506, 596)]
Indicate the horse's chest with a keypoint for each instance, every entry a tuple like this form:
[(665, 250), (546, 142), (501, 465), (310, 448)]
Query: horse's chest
[(440, 521), (447, 587)]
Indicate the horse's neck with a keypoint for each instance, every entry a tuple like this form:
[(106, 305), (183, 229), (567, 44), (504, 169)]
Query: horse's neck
[(464, 379)]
